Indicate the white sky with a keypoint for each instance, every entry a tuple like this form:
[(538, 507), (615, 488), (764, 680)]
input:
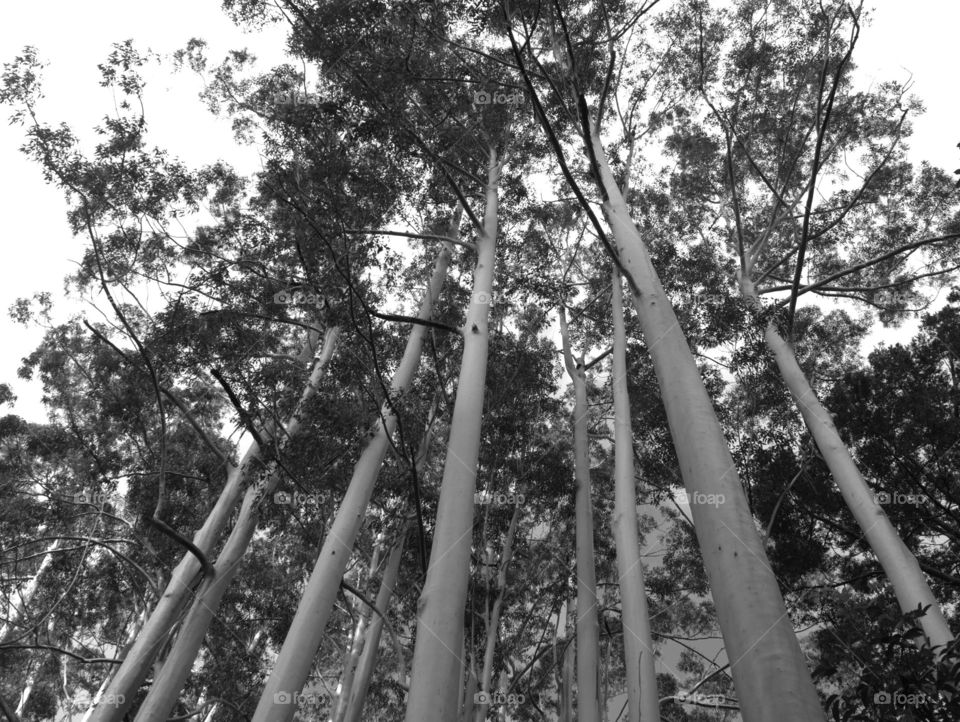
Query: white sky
[(905, 38)]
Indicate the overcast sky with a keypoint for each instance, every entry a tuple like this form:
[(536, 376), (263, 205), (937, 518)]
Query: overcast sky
[(906, 38)]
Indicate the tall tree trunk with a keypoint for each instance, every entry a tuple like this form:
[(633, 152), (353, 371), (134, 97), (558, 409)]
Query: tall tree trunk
[(371, 647), (131, 636), (588, 626), (493, 621), (472, 684), (128, 677), (898, 562), (642, 698), (768, 668), (22, 597), (352, 655), (368, 658), (168, 683), (502, 712), (565, 687), (434, 686), (295, 660)]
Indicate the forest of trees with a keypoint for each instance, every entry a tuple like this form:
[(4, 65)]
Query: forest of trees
[(530, 379)]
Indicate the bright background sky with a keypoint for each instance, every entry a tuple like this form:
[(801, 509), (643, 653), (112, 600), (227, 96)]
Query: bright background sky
[(905, 38)]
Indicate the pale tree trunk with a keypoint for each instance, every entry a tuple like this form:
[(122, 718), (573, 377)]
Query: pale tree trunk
[(22, 597), (371, 645), (493, 621), (588, 626), (503, 711), (352, 655), (34, 672), (128, 677), (434, 686), (176, 668), (131, 636), (565, 686), (469, 700), (768, 667), (295, 660), (642, 700), (604, 670), (898, 562), (27, 688), (368, 658)]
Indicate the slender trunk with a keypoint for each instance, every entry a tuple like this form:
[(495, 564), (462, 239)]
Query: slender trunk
[(502, 712), (28, 688), (588, 627), (371, 648), (434, 687), (642, 699), (493, 623), (368, 658), (35, 668), (768, 668), (131, 636), (565, 688), (898, 562), (293, 664), (136, 664), (22, 597), (604, 670), (472, 683), (352, 656), (176, 668)]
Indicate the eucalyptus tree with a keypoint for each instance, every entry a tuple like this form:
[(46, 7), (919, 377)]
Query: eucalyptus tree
[(768, 668), (105, 194), (783, 120), (587, 625)]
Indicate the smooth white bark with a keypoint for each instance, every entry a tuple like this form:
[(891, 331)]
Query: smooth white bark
[(368, 657), (898, 562), (767, 665), (435, 684), (128, 677), (493, 621), (22, 597), (565, 685), (295, 660), (176, 668), (470, 691), (588, 625), (352, 655), (642, 699)]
